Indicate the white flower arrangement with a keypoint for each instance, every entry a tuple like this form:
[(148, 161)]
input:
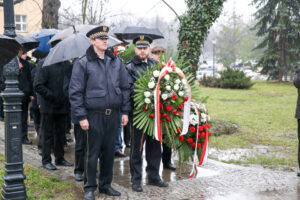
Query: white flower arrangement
[(194, 119), (164, 96), (168, 87), (147, 94), (183, 81), (177, 81), (147, 101), (176, 87), (156, 73), (203, 117), (151, 85), (167, 77), (181, 93)]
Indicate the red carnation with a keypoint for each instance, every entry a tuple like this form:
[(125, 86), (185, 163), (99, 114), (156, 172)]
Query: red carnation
[(192, 129), (190, 140), (174, 112), (198, 145), (186, 99), (174, 97), (202, 135), (169, 119), (160, 106), (145, 108), (151, 115), (181, 137), (180, 106), (169, 107), (208, 125), (194, 144), (165, 115), (199, 134), (116, 52), (204, 126), (200, 128), (179, 113), (178, 129)]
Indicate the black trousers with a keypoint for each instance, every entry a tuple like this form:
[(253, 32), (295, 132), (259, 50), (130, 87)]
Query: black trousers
[(37, 125), (53, 130), (167, 154), (127, 131), (101, 138), (80, 143), (24, 119), (153, 156), (1, 107)]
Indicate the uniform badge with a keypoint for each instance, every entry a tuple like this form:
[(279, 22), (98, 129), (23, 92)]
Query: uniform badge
[(142, 37)]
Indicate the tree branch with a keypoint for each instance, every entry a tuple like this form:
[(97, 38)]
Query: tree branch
[(171, 8)]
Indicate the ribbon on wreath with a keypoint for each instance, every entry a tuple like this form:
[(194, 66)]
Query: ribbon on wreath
[(169, 67), (205, 145)]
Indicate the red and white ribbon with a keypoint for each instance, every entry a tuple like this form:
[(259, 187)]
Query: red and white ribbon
[(169, 67)]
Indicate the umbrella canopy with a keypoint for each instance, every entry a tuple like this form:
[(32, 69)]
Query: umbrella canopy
[(44, 33), (9, 48), (130, 32), (113, 41), (82, 28), (72, 47), (27, 42)]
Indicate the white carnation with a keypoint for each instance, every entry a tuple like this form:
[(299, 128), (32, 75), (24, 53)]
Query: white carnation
[(194, 119), (147, 100), (164, 96), (208, 118), (203, 117), (180, 93), (167, 77), (177, 81), (168, 88), (151, 85), (176, 87), (147, 94), (156, 73), (183, 81)]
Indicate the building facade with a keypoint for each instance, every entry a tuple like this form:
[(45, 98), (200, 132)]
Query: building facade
[(28, 17)]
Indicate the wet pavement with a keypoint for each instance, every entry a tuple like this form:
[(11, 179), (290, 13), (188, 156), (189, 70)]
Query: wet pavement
[(215, 180)]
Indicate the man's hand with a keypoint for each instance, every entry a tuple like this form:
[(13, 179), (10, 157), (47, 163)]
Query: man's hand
[(31, 98), (84, 124), (124, 120)]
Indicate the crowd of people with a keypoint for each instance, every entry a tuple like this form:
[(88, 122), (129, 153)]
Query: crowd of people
[(94, 92)]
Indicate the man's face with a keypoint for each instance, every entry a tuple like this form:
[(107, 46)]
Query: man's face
[(142, 52), (100, 44)]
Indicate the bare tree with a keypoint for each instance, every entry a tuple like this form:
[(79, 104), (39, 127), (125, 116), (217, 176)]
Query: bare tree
[(50, 13)]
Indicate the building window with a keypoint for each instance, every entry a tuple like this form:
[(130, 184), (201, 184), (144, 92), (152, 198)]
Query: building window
[(21, 25)]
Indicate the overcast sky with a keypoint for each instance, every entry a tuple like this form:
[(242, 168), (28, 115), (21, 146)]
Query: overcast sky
[(153, 8)]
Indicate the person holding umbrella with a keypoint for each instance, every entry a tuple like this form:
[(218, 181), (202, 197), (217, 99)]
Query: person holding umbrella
[(98, 90), (139, 63)]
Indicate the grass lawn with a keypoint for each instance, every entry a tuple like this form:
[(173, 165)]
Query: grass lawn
[(265, 114), (41, 186)]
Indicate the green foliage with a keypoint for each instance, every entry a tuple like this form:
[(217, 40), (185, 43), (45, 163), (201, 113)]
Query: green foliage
[(279, 24), (209, 81), (127, 54), (194, 27), (234, 79)]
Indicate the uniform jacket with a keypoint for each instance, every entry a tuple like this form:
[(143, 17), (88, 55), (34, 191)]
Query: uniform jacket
[(25, 82), (97, 87), (296, 82)]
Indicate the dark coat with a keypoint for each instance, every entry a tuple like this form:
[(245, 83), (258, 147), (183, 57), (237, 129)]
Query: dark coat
[(98, 84), (49, 82), (134, 66), (296, 82), (25, 82)]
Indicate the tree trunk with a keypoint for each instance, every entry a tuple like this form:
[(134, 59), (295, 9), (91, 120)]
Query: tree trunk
[(50, 13)]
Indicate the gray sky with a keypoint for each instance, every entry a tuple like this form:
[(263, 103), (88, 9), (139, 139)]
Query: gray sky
[(153, 8)]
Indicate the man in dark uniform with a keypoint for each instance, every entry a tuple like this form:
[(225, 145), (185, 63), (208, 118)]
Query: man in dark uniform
[(48, 84), (98, 91), (139, 63)]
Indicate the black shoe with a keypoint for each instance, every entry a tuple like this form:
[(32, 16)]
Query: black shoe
[(120, 154), (40, 152), (298, 173), (49, 166), (64, 163), (110, 191), (89, 195), (26, 141), (128, 145), (159, 183), (137, 188), (169, 166), (78, 177)]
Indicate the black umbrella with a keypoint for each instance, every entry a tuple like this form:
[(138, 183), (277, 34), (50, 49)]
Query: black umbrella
[(130, 32), (9, 48), (27, 42), (71, 47)]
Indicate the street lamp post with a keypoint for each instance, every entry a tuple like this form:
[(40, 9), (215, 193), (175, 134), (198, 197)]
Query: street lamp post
[(214, 51), (14, 187)]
